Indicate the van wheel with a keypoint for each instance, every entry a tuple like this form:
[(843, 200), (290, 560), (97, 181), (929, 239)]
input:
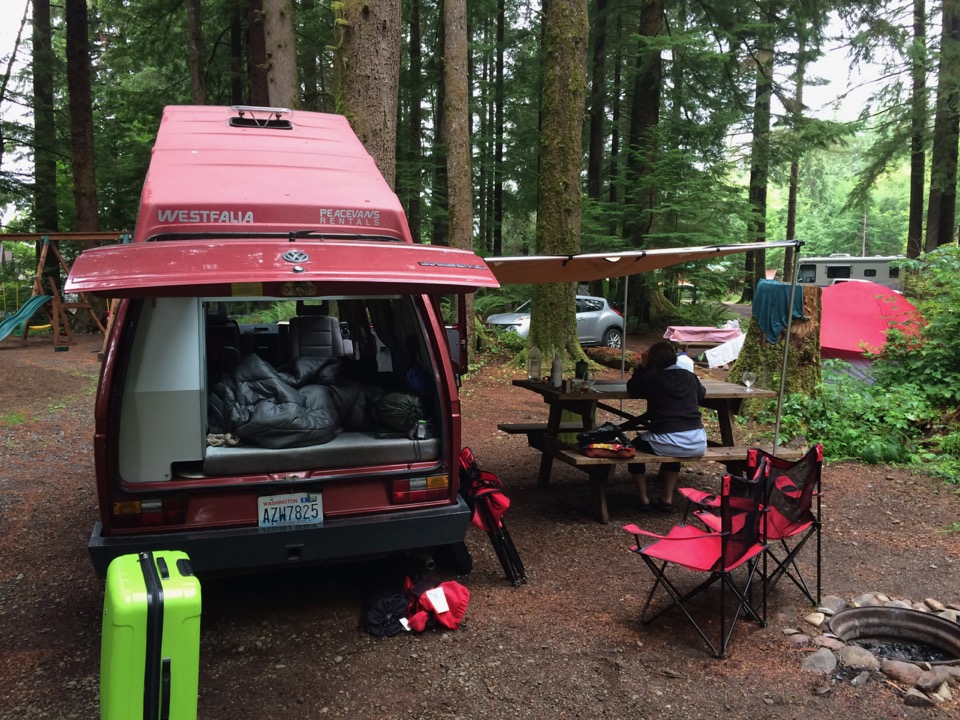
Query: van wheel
[(456, 557), (612, 338)]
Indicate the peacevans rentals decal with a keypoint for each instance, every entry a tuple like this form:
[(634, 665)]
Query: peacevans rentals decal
[(344, 216)]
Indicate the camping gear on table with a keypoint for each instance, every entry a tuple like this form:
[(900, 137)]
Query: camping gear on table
[(483, 492), (150, 646)]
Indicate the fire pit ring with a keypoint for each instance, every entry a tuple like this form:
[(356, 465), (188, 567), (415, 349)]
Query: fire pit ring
[(892, 623)]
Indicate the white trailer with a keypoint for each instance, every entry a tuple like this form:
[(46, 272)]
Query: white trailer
[(824, 271)]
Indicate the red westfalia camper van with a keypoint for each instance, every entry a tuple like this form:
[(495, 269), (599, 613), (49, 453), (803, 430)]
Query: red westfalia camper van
[(279, 385)]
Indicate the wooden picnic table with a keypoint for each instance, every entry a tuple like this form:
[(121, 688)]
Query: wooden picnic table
[(726, 399)]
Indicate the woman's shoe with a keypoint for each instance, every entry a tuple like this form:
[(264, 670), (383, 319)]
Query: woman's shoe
[(663, 506)]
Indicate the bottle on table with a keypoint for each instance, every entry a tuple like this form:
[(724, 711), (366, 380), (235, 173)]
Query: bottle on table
[(534, 369), (556, 371), (684, 361)]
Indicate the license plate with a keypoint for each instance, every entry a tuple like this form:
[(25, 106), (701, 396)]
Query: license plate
[(294, 509)]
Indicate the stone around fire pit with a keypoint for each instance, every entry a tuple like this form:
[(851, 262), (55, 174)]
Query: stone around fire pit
[(860, 632)]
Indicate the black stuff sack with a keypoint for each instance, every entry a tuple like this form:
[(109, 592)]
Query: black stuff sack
[(606, 434), (383, 611)]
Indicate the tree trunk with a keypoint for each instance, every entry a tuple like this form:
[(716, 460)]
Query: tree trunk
[(641, 190), (196, 55), (759, 161), (918, 116), (257, 62), (644, 119), (415, 131), (553, 327), (598, 85), (498, 130), (367, 69), (280, 41), (46, 212), (439, 234), (46, 209), (456, 119), (941, 211), (237, 48), (614, 195), (81, 117), (804, 370)]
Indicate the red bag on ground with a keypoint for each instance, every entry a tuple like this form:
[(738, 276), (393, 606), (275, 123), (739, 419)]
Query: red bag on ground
[(424, 612)]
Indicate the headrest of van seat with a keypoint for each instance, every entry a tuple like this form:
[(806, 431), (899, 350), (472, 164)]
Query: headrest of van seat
[(322, 308), (315, 336)]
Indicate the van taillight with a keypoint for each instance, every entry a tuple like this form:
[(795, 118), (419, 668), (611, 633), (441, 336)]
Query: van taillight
[(432, 487), (147, 513)]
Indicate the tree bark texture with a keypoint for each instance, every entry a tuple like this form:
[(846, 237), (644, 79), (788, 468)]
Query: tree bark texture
[(941, 210), (81, 117), (561, 156), (918, 113), (46, 211), (759, 164), (415, 131), (257, 61), (456, 118), (280, 41), (598, 102), (644, 119), (237, 48), (196, 55), (367, 68)]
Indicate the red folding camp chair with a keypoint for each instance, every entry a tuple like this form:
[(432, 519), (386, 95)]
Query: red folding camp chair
[(793, 518), (717, 554)]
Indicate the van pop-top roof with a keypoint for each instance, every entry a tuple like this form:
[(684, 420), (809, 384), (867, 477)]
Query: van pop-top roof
[(245, 170), (245, 202)]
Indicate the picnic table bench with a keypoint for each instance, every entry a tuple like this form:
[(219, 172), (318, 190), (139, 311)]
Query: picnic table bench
[(725, 399), (600, 469)]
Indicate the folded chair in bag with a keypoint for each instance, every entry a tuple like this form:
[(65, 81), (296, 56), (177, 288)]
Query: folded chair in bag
[(715, 554), (483, 492)]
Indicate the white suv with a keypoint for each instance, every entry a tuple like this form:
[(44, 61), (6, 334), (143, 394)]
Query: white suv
[(597, 322)]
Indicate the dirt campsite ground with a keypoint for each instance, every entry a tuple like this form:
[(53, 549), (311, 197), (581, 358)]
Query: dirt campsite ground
[(565, 645)]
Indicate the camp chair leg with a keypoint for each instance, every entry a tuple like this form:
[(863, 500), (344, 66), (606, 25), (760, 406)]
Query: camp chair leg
[(512, 553), (744, 605), (784, 564)]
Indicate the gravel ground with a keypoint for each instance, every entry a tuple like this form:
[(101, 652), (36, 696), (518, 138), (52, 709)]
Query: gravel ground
[(565, 645)]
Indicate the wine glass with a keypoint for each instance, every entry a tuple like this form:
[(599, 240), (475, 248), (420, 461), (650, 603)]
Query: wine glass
[(748, 379), (589, 380)]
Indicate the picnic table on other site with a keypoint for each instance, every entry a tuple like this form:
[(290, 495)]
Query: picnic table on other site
[(726, 399)]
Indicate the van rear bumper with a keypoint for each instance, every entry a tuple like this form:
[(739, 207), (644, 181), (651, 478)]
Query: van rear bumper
[(245, 549)]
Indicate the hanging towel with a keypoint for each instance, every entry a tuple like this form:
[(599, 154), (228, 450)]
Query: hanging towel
[(770, 302)]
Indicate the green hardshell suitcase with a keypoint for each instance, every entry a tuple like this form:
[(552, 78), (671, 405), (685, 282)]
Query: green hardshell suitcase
[(150, 646)]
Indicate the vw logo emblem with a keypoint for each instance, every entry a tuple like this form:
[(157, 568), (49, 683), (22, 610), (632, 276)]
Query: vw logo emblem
[(295, 256)]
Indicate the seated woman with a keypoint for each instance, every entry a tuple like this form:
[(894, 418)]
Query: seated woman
[(673, 419)]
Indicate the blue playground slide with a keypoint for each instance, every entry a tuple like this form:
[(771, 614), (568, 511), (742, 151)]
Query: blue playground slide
[(23, 314)]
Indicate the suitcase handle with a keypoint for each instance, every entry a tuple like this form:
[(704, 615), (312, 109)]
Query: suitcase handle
[(152, 677)]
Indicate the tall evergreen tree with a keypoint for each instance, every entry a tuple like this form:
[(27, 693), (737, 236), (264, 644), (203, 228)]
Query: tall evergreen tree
[(283, 85), (367, 71), (84, 161), (554, 324), (941, 209)]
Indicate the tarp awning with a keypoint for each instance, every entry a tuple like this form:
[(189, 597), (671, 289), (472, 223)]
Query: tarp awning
[(600, 266)]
